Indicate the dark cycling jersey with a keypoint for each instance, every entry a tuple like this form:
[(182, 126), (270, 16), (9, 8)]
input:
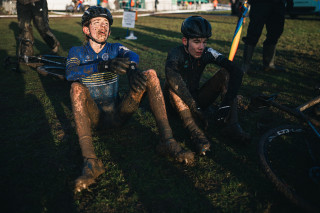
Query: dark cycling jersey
[(183, 73), (82, 65)]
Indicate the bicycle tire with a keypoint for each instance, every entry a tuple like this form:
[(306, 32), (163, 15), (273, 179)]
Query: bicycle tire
[(264, 147)]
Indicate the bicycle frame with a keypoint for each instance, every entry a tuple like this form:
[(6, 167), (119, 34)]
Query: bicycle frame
[(45, 59), (44, 64), (296, 112)]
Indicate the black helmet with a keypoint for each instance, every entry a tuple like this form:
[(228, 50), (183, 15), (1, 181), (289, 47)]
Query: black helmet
[(95, 11), (196, 27)]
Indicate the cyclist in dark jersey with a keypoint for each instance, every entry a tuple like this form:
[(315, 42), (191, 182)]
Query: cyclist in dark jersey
[(184, 67), (95, 68)]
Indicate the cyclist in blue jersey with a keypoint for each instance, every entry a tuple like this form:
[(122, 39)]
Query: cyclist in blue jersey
[(95, 68), (184, 67)]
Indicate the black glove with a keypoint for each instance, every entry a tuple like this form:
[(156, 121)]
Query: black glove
[(137, 80), (198, 114), (223, 113), (116, 65)]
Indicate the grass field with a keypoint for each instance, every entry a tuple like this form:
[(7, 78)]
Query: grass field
[(40, 157)]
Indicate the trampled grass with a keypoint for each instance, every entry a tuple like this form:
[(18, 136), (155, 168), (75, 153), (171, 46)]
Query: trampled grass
[(40, 156)]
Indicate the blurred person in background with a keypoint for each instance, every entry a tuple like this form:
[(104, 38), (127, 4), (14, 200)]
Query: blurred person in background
[(235, 4), (269, 13), (104, 3), (215, 4), (35, 11)]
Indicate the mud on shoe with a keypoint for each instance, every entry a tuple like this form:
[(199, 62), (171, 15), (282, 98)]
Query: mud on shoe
[(203, 148), (173, 148), (201, 142), (92, 169)]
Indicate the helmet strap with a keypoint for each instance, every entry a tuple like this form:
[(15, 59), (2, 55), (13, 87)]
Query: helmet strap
[(98, 42), (90, 37), (187, 46)]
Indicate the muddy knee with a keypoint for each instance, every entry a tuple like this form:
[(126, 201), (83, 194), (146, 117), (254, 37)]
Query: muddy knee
[(213, 88), (152, 77), (76, 89), (83, 105)]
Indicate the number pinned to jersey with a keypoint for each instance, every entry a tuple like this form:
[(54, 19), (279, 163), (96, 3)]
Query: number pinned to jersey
[(214, 53)]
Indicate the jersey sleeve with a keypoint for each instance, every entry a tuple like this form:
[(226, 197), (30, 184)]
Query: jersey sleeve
[(236, 74), (75, 70), (212, 56), (125, 52)]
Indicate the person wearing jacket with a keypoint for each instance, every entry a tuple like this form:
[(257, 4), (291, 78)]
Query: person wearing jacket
[(184, 67)]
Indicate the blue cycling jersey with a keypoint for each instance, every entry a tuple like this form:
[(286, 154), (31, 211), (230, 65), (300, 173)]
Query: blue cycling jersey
[(82, 65)]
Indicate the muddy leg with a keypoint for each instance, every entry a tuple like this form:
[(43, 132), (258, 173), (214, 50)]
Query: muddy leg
[(25, 43), (168, 143), (86, 114), (215, 86), (197, 135), (41, 22), (157, 104)]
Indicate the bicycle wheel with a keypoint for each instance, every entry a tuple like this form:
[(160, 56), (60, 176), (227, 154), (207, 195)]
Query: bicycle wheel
[(285, 156)]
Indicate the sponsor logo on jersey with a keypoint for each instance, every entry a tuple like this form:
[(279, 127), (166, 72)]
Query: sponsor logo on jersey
[(105, 56)]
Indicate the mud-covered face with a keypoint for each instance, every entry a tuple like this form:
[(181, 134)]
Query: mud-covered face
[(195, 46), (98, 29)]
